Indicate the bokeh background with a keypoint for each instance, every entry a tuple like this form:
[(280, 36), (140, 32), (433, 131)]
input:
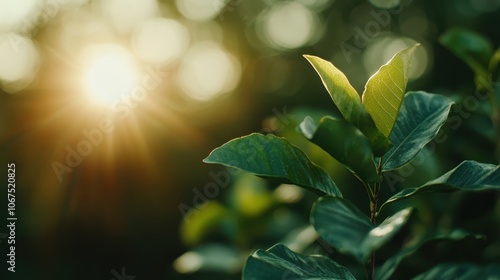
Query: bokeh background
[(201, 72)]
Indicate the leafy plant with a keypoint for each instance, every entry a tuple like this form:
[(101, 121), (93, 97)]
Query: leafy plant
[(381, 131), (477, 52)]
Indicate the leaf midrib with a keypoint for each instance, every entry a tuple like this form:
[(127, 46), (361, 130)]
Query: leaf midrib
[(413, 131)]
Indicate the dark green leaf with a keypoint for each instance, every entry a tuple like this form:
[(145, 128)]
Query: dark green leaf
[(462, 271), (384, 90), (279, 262), (420, 118), (386, 270), (274, 157), (345, 143), (469, 175), (349, 103), (346, 228), (471, 47)]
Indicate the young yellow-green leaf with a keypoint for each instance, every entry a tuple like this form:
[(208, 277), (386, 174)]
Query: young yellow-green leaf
[(336, 83), (349, 104), (275, 158), (384, 90)]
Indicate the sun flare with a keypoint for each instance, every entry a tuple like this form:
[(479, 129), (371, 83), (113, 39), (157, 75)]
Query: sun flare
[(110, 73)]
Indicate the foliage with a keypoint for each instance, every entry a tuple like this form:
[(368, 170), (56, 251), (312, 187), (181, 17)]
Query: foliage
[(379, 132), (478, 53)]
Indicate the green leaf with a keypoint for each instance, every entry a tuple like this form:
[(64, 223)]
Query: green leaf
[(384, 90), (346, 228), (386, 270), (336, 83), (472, 48), (468, 175), (279, 262), (274, 157), (345, 143), (348, 102), (462, 271), (420, 118)]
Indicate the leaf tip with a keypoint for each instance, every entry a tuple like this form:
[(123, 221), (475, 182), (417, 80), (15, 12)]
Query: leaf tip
[(308, 127)]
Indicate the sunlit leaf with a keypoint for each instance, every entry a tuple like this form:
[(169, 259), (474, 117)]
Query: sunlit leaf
[(346, 228), (468, 175), (420, 118), (341, 91), (384, 90), (462, 271), (386, 270), (472, 48), (349, 103), (345, 143), (279, 262), (274, 157)]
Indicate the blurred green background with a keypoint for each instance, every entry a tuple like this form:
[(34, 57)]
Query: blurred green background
[(108, 108)]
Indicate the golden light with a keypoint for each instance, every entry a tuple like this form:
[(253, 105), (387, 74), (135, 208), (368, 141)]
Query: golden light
[(13, 15), (208, 71), (189, 262), (200, 10), (110, 73), (20, 62), (125, 15), (160, 40), (289, 25)]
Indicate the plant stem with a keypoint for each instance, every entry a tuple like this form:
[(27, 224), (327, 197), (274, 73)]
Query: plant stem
[(373, 219), (373, 191)]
